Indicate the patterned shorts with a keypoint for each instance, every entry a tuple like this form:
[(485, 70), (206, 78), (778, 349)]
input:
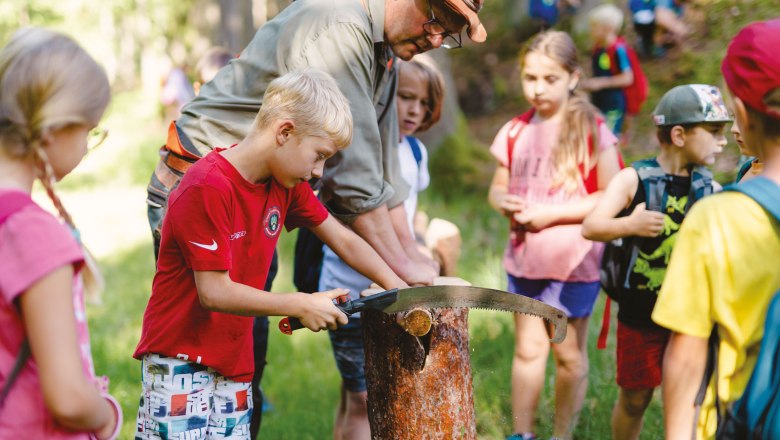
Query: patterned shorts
[(184, 400)]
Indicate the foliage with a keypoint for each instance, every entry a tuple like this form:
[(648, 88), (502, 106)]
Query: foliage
[(459, 165)]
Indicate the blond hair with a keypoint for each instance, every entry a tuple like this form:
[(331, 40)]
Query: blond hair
[(312, 99), (579, 128), (425, 65), (48, 82), (608, 15)]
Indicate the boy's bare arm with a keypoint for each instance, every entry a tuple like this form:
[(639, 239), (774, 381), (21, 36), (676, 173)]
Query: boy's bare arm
[(619, 81), (683, 369), (217, 292), (602, 225), (357, 253)]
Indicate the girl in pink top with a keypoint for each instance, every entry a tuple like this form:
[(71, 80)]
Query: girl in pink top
[(52, 95), (553, 163)]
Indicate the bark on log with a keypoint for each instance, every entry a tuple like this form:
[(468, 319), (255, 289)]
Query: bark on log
[(419, 387)]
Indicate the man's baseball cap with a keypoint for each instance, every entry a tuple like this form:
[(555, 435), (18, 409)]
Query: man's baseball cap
[(691, 104), (751, 66), (469, 9)]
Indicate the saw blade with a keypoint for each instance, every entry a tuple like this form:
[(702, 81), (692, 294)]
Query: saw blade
[(436, 297)]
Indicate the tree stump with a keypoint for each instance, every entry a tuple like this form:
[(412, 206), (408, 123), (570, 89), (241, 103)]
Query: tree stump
[(419, 387)]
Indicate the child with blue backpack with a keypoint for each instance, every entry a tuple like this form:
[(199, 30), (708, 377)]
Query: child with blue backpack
[(724, 271), (640, 214), (419, 101)]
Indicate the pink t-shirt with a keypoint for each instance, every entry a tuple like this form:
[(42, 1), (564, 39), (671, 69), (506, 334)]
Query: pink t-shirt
[(33, 243), (559, 252)]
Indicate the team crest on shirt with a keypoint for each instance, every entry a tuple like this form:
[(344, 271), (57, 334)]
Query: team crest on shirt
[(271, 224)]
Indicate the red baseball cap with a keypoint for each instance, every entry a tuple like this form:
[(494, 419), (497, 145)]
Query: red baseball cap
[(752, 65), (469, 9)]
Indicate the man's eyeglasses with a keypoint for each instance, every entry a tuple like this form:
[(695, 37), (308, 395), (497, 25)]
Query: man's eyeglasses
[(95, 137), (434, 27)]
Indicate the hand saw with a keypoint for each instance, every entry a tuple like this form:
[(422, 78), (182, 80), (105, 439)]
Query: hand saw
[(437, 297)]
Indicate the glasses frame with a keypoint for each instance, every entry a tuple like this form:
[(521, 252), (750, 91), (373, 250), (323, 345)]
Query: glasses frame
[(96, 137), (450, 40)]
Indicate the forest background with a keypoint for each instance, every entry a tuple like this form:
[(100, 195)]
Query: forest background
[(137, 41)]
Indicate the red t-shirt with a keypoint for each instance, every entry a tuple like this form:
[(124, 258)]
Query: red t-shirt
[(216, 220)]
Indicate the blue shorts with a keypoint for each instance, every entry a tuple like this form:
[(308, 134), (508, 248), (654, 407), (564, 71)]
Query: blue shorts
[(350, 356), (573, 298)]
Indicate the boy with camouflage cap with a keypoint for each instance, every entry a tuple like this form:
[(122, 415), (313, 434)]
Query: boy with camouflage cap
[(642, 209)]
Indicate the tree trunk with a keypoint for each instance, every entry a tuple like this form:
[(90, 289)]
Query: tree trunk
[(419, 387), (236, 24)]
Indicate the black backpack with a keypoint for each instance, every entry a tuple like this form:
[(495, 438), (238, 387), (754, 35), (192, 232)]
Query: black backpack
[(620, 255)]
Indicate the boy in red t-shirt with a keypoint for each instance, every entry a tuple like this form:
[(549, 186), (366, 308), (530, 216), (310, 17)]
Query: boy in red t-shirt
[(222, 225)]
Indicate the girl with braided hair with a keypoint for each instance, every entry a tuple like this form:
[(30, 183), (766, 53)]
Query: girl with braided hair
[(52, 95)]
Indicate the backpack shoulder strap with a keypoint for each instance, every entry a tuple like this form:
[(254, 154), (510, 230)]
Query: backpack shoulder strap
[(21, 359), (518, 122), (415, 145), (612, 54), (764, 191), (701, 185), (13, 202), (653, 180)]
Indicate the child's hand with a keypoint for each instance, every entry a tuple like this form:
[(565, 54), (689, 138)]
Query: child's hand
[(534, 218), (320, 312), (646, 223), (511, 204)]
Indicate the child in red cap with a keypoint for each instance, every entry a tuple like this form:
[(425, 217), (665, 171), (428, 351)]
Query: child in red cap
[(723, 271)]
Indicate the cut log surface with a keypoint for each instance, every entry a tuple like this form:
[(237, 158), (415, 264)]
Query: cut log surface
[(419, 387)]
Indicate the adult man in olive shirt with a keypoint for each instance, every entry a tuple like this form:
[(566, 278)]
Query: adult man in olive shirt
[(354, 41)]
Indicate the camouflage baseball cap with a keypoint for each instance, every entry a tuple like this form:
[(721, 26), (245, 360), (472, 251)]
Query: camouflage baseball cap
[(691, 104)]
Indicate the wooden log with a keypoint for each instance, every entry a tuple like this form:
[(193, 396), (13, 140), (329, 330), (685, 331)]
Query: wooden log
[(419, 387)]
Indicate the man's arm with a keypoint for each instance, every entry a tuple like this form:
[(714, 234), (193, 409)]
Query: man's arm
[(683, 369), (357, 253), (407, 241), (376, 228)]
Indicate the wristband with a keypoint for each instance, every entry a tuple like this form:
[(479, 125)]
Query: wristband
[(118, 410)]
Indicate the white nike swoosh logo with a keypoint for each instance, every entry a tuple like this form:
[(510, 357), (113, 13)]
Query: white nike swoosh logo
[(209, 247)]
